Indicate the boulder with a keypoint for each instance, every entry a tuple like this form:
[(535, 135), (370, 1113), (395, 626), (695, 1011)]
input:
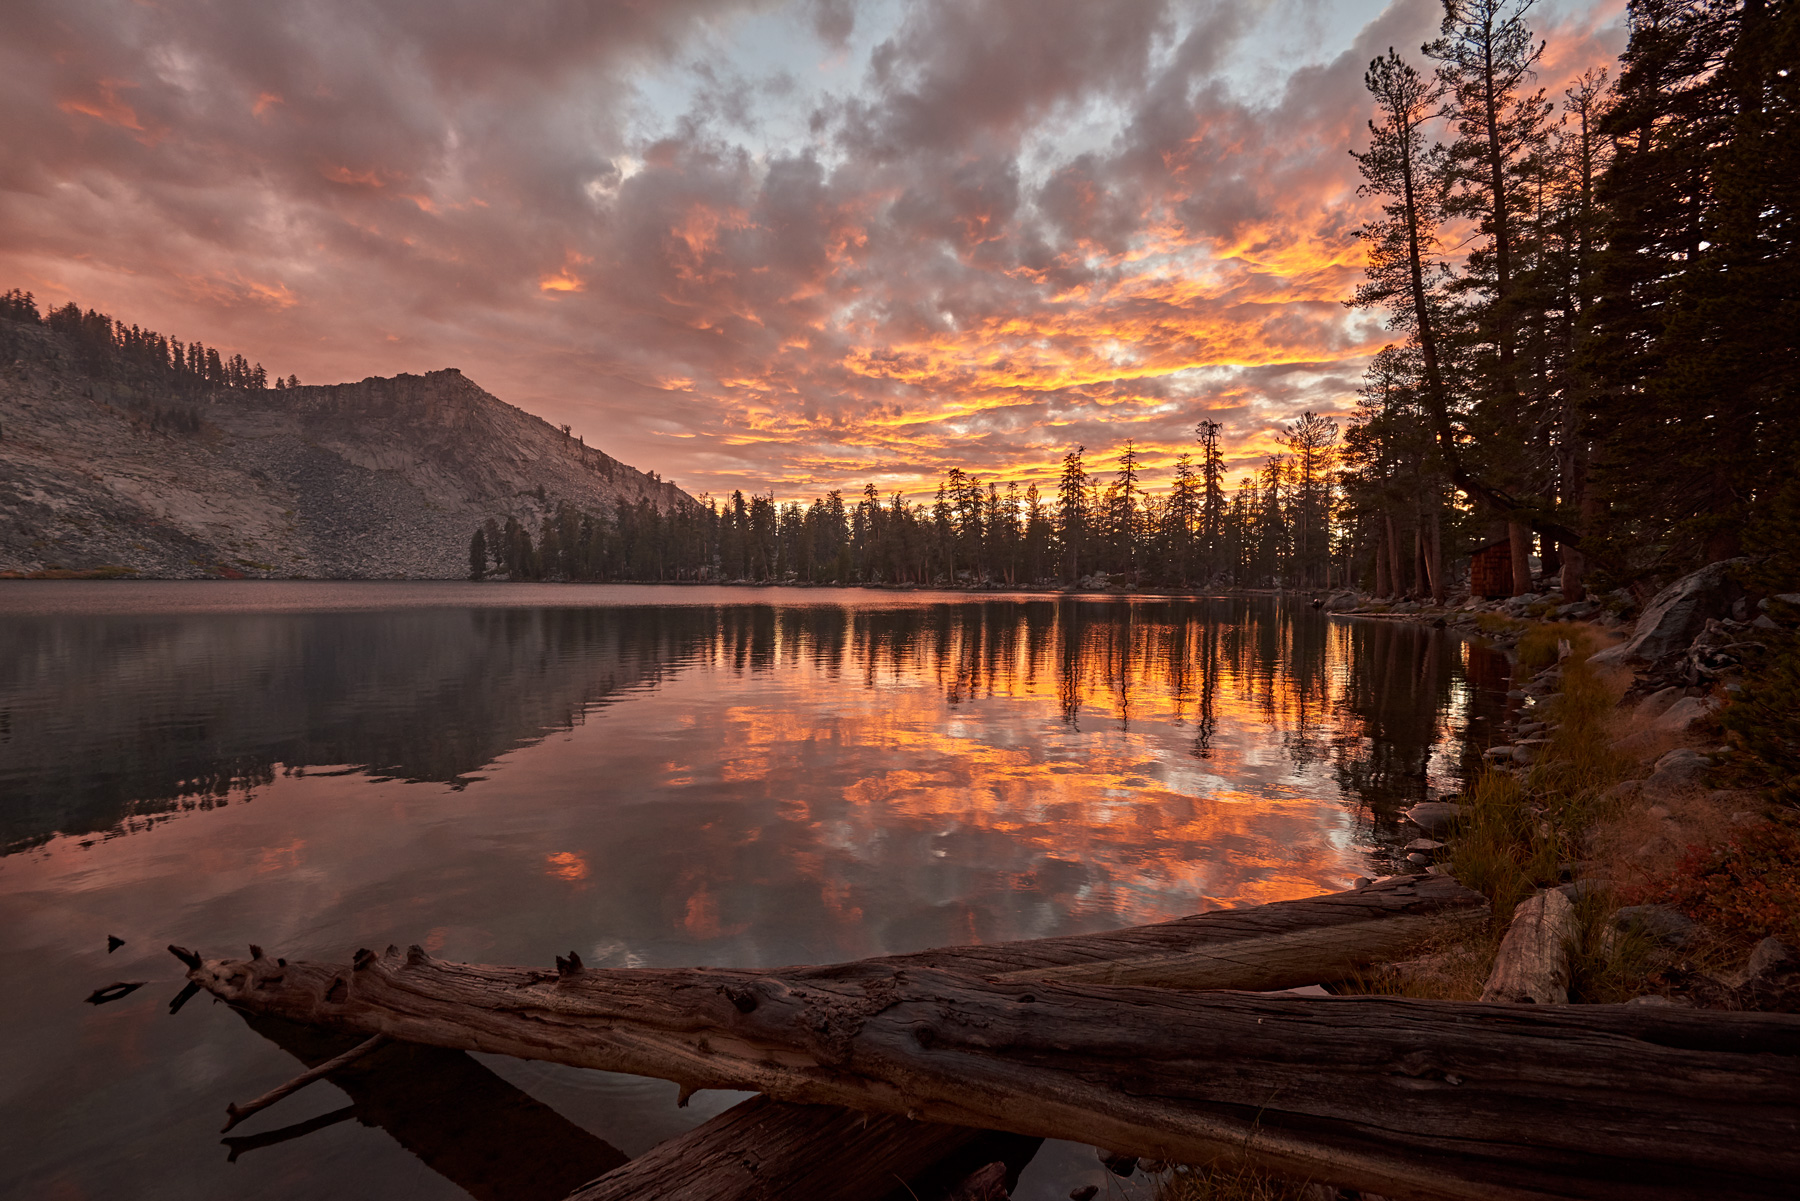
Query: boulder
[(1675, 772), (1684, 713), (1661, 924), (1771, 980), (1657, 703), (1434, 817), (1677, 614)]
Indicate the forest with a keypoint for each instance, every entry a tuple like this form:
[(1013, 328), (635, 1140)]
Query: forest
[(191, 369), (1594, 300)]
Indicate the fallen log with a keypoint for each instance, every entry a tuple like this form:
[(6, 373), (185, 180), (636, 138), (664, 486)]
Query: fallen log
[(771, 1149), (768, 1149), (1285, 944), (1532, 966), (1407, 1098)]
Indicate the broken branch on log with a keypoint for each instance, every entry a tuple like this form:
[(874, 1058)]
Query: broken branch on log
[(236, 1113), (1408, 1098)]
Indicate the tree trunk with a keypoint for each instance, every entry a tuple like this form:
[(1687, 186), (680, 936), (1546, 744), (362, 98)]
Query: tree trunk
[(1408, 1098), (1420, 575), (1393, 550), (1440, 591), (1520, 536), (1381, 571)]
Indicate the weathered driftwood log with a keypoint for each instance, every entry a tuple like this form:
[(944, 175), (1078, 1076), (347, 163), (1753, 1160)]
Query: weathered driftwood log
[(782, 1152), (1426, 1099), (1533, 964), (768, 1149), (1315, 940)]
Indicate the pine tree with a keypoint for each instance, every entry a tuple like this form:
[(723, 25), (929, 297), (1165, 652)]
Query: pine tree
[(478, 555)]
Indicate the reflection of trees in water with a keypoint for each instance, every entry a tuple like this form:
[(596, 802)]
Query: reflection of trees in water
[(110, 717)]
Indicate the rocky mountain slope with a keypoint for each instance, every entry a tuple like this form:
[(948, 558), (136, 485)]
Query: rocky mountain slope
[(107, 469)]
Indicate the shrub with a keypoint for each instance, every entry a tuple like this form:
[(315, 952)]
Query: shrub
[(1749, 888)]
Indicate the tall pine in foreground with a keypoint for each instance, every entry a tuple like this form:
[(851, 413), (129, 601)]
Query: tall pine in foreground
[(1696, 346)]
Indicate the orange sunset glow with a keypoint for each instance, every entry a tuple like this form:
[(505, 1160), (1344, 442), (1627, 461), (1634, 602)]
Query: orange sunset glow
[(776, 247)]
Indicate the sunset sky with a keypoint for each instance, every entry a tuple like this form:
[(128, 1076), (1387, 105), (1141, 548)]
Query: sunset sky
[(791, 246)]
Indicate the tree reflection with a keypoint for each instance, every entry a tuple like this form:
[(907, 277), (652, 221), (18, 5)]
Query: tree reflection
[(107, 722)]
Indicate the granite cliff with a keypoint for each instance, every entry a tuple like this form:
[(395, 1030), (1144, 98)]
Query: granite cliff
[(108, 469)]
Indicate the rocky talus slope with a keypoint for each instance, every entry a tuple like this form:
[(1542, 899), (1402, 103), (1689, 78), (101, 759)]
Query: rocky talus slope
[(106, 469)]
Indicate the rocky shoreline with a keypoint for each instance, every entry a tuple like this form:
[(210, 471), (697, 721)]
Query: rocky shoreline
[(1674, 794)]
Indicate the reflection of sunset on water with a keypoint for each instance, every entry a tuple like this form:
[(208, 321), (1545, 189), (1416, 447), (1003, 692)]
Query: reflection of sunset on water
[(1125, 762), (662, 778)]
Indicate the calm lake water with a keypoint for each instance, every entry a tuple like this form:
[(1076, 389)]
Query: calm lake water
[(650, 776)]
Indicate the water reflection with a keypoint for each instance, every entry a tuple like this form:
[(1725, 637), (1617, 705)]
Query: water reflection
[(106, 719), (692, 783)]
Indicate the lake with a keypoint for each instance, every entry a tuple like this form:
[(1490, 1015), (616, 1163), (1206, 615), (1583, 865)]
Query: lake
[(651, 776)]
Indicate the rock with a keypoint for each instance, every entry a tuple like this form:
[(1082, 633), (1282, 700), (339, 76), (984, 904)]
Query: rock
[(986, 1183), (1118, 1163), (1658, 703), (1425, 845), (1654, 999), (1361, 882), (1577, 610), (1790, 599), (1685, 712), (1676, 772), (1677, 614), (1418, 860), (1771, 980), (1765, 622), (1662, 924), (1434, 817), (1504, 751), (1657, 811), (1085, 1192), (1516, 694), (1579, 890)]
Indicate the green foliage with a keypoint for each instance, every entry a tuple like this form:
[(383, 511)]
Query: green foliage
[(1765, 716)]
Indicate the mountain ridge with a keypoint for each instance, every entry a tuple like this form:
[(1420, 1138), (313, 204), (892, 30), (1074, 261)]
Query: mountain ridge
[(109, 468)]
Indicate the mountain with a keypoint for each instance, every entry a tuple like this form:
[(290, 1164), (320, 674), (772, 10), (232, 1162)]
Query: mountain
[(110, 466)]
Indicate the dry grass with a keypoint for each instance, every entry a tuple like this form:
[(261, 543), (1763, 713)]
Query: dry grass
[(1218, 1183)]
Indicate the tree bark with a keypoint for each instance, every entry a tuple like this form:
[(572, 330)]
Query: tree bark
[(778, 1150), (1519, 534), (1408, 1098), (1439, 590), (763, 1150), (1395, 588), (1381, 569), (1533, 963)]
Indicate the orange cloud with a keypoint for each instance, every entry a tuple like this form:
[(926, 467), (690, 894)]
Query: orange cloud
[(108, 108), (345, 175), (566, 865)]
